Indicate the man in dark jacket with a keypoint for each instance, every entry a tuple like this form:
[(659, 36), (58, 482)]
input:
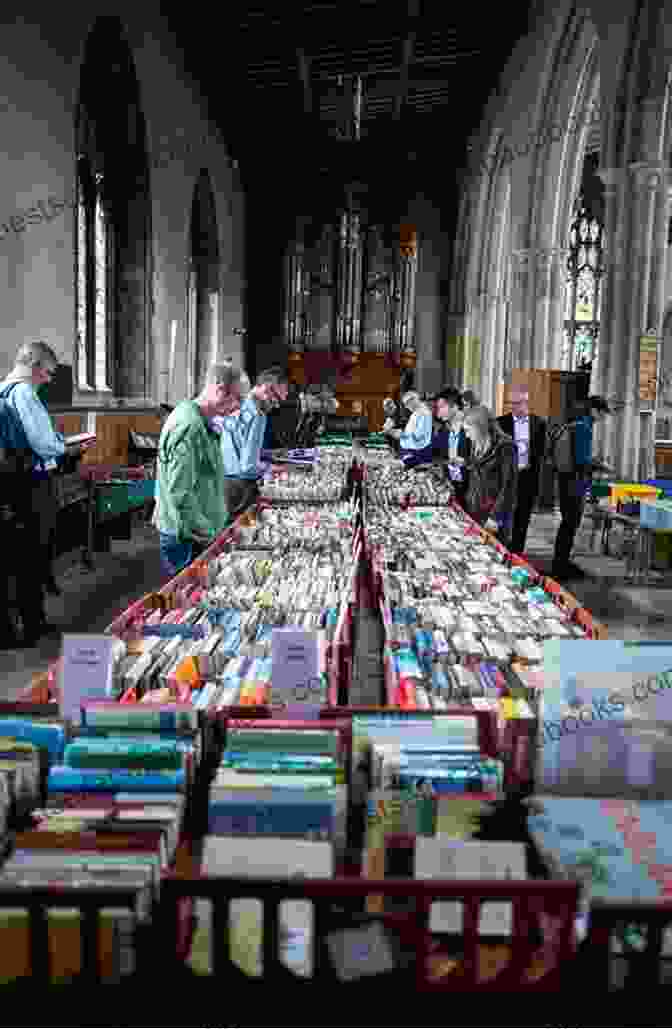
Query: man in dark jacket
[(571, 452), (451, 446), (528, 432)]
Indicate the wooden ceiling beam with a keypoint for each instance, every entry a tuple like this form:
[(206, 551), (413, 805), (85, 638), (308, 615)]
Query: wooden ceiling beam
[(407, 57), (388, 91), (304, 75)]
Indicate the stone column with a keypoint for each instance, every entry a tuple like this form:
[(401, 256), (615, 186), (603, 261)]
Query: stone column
[(633, 286), (452, 350), (549, 315), (490, 304), (519, 350), (613, 280)]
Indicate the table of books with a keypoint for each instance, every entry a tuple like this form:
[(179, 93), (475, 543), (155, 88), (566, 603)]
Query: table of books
[(205, 745)]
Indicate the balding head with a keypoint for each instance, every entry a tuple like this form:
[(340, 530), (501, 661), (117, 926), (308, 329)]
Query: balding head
[(520, 401)]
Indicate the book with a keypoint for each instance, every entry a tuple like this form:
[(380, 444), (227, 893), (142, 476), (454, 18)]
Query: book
[(263, 857), (63, 779), (112, 753), (48, 736)]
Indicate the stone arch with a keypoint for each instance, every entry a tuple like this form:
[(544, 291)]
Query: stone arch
[(203, 285), (493, 286), (557, 175), (114, 207), (635, 172)]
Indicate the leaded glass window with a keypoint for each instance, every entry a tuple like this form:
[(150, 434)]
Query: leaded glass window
[(84, 381), (101, 337), (583, 293), (92, 282)]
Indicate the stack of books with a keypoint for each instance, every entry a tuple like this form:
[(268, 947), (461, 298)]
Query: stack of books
[(116, 797), (282, 781), (437, 755)]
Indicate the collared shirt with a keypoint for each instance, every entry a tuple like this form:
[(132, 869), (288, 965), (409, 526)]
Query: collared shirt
[(242, 437), (418, 432), (37, 425), (190, 477), (521, 435)]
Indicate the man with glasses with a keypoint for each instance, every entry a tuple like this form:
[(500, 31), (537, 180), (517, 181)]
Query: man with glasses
[(528, 431), (242, 439), (37, 507), (190, 490)]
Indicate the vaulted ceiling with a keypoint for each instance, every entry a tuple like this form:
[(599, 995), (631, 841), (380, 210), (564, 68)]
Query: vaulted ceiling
[(281, 69)]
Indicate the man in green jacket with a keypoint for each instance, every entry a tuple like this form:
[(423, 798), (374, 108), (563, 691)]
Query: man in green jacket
[(190, 509)]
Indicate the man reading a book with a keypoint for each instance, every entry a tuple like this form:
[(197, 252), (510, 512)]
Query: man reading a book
[(34, 367)]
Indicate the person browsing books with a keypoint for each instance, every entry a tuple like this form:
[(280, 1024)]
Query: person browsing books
[(242, 437), (190, 499), (450, 444), (415, 441), (34, 366), (491, 494), (528, 431)]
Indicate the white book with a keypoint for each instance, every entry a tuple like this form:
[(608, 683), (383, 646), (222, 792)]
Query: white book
[(441, 857), (267, 857)]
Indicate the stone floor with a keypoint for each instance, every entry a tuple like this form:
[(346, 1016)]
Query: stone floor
[(630, 612), (91, 600)]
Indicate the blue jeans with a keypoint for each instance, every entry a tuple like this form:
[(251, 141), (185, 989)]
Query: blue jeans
[(177, 554)]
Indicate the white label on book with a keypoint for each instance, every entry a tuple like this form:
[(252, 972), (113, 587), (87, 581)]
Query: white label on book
[(86, 672), (295, 667), (441, 857)]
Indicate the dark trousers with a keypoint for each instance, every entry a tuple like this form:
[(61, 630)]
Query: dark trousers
[(43, 517), (177, 554), (20, 583), (528, 486), (239, 494), (572, 495)]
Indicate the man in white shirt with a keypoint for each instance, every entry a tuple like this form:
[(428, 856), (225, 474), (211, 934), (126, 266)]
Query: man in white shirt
[(528, 432), (415, 441)]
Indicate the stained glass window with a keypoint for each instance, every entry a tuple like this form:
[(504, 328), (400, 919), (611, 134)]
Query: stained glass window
[(583, 293)]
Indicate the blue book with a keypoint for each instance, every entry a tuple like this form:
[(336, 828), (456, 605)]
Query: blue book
[(63, 779), (47, 737), (278, 820)]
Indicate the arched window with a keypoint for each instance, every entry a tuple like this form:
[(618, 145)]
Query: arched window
[(202, 283), (585, 266), (113, 233), (93, 281)]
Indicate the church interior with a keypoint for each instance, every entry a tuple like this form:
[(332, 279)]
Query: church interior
[(383, 199)]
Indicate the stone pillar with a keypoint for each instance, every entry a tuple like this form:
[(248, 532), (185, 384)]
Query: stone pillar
[(453, 348), (519, 350), (633, 285), (490, 304), (549, 315)]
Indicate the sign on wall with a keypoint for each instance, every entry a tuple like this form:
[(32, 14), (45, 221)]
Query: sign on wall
[(648, 370)]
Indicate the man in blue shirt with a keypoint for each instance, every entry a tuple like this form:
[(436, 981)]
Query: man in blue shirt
[(243, 436), (35, 366)]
